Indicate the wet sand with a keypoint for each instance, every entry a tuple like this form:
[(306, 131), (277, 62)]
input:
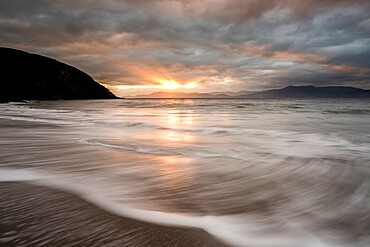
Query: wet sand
[(37, 216)]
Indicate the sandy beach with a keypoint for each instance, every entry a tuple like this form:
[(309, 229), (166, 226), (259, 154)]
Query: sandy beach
[(38, 216)]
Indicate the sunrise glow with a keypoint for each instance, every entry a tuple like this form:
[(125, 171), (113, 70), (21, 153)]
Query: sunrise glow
[(169, 85), (164, 84), (202, 47)]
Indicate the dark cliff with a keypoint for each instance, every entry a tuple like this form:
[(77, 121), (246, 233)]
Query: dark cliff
[(26, 76)]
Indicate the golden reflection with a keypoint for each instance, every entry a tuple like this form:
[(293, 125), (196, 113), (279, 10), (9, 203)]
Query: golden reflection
[(176, 129), (178, 137), (176, 170), (188, 102), (179, 119)]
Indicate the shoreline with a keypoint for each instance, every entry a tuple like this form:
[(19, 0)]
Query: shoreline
[(34, 215)]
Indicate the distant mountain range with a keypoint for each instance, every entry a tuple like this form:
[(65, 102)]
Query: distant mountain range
[(310, 92), (172, 95), (290, 92)]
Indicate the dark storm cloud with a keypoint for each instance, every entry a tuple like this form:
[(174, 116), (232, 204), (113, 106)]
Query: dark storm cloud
[(232, 44)]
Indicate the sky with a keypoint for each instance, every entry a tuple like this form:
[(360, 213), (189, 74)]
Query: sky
[(137, 46)]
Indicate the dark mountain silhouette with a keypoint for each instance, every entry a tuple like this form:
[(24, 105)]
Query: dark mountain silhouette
[(26, 76), (309, 92)]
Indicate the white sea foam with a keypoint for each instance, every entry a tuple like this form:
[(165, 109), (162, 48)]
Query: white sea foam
[(8, 175), (237, 230), (280, 143)]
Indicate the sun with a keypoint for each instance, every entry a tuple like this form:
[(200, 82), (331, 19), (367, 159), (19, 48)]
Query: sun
[(169, 85), (173, 85), (163, 84)]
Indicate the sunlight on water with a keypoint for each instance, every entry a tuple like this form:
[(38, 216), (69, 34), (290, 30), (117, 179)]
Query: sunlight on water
[(250, 172)]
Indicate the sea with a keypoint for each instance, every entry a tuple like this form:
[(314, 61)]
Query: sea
[(276, 173)]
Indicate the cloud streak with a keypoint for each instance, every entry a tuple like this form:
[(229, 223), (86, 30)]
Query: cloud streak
[(218, 45)]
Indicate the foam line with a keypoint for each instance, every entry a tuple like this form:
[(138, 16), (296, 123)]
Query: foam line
[(233, 229)]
